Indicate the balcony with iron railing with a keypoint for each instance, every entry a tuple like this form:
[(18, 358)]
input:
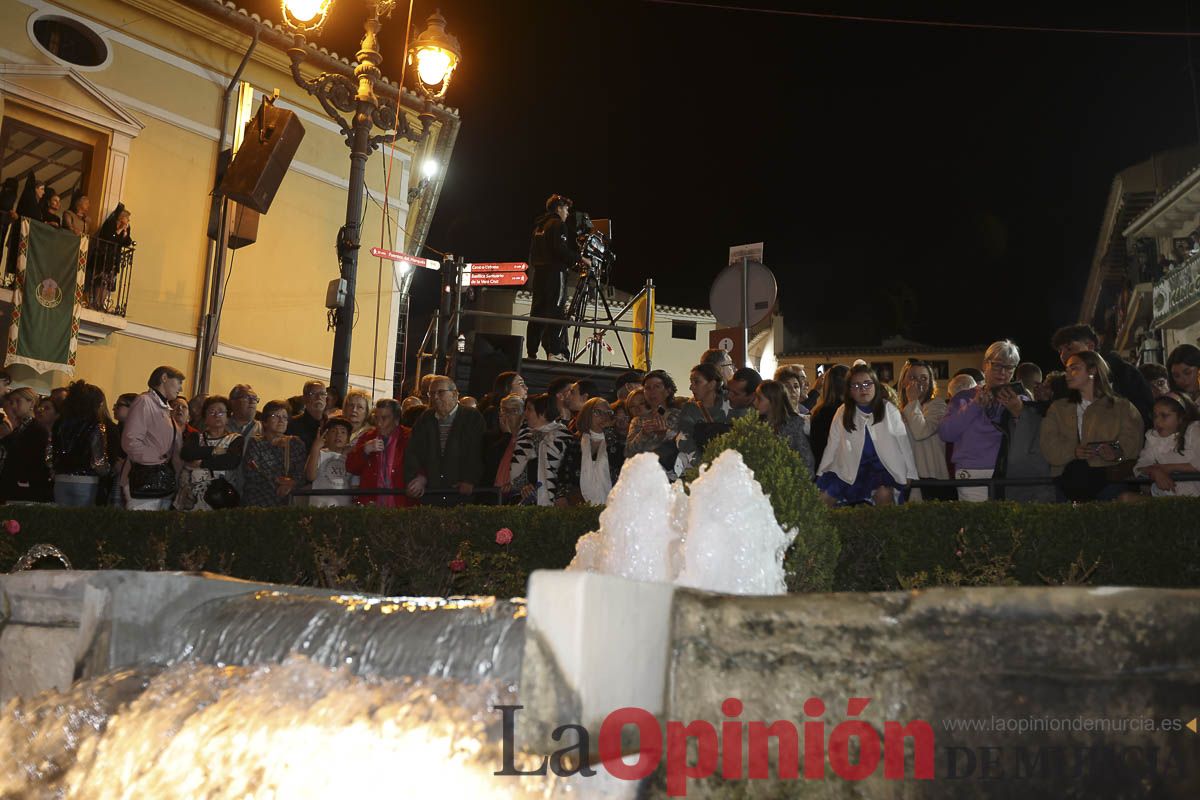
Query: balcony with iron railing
[(107, 280)]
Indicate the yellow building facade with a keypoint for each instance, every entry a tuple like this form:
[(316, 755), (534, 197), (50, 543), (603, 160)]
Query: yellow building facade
[(148, 118)]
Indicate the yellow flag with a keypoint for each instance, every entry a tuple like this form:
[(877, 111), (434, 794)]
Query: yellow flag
[(643, 346)]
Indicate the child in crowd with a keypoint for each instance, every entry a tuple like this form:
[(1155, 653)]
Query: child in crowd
[(326, 465), (1172, 446), (868, 458)]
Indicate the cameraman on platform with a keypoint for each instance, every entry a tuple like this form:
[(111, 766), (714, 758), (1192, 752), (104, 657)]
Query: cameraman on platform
[(552, 254)]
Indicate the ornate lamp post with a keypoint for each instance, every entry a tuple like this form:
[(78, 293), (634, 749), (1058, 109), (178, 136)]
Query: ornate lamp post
[(435, 54)]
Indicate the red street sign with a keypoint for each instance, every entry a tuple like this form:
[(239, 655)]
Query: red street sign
[(499, 266), (394, 255), (496, 279)]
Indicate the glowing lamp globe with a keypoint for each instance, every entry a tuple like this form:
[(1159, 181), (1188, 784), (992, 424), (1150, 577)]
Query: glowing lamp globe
[(305, 15), (435, 54)]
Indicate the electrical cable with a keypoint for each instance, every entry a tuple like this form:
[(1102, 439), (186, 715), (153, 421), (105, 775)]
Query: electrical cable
[(927, 23)]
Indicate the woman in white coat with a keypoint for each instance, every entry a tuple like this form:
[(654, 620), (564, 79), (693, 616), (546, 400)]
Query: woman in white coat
[(869, 458)]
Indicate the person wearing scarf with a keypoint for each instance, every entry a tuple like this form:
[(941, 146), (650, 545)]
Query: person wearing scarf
[(592, 464), (500, 443), (540, 449), (29, 205), (377, 458)]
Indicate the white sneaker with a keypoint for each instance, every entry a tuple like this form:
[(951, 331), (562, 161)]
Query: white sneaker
[(559, 357)]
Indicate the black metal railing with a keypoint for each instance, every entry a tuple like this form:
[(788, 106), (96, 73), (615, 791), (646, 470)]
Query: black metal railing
[(993, 483), (107, 279)]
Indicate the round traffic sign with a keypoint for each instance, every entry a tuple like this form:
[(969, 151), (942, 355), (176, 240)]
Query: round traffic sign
[(725, 297)]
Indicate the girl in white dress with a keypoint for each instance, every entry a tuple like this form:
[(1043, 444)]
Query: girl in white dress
[(1172, 446)]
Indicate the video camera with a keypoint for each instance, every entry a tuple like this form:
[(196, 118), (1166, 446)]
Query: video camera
[(594, 244)]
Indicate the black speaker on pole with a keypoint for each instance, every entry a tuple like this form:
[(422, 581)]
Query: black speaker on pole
[(271, 139), (491, 354)]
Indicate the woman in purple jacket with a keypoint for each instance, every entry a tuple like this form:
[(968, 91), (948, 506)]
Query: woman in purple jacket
[(994, 432)]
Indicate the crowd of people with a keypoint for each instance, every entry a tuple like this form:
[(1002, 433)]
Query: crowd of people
[(1079, 434)]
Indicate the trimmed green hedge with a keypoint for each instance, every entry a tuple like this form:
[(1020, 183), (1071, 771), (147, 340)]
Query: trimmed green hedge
[(1154, 543), (1150, 543)]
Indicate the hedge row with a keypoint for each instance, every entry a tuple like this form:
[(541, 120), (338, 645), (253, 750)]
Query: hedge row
[(430, 551)]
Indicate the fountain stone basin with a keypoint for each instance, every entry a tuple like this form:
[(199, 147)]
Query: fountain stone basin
[(597, 643), (60, 626)]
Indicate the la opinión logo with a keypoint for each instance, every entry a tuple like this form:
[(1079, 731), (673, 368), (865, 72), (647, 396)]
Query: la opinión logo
[(725, 749)]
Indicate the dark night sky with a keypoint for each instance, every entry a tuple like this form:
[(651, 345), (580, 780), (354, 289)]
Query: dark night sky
[(942, 183)]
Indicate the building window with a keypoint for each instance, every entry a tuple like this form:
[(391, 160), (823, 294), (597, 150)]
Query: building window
[(64, 164), (681, 329), (70, 41)]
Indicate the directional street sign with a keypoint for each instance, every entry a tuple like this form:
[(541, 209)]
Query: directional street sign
[(496, 273), (496, 279), (395, 255), (501, 266)]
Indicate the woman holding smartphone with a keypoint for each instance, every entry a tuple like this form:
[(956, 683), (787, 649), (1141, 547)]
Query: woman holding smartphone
[(1089, 432)]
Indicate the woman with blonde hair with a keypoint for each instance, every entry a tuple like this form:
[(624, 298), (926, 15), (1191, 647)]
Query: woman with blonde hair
[(591, 465), (356, 409), (1090, 431), (922, 410)]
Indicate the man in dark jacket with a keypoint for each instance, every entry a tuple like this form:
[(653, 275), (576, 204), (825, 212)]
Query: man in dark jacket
[(1126, 380), (551, 255), (445, 451)]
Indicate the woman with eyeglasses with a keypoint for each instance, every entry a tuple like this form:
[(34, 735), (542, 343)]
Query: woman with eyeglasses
[(209, 454), (593, 462), (506, 384), (773, 403), (498, 445), (993, 432), (923, 410), (868, 458), (272, 465)]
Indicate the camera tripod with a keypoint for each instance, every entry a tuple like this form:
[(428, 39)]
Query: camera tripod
[(591, 294)]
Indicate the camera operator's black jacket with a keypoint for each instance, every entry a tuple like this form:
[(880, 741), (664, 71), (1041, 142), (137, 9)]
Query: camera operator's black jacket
[(552, 244)]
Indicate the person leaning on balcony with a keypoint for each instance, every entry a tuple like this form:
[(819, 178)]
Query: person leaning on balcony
[(208, 454), (1125, 382), (51, 206), (378, 457), (80, 443), (151, 440), (1183, 365), (273, 465), (992, 435), (75, 219), (105, 257), (1089, 432), (446, 450), (29, 205)]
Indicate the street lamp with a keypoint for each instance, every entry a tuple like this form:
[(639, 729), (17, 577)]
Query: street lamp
[(435, 54)]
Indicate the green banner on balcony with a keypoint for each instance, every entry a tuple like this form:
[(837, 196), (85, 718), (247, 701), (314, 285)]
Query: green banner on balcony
[(51, 264)]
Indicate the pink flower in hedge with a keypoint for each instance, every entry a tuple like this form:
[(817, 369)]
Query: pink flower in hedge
[(458, 565), (503, 536), (12, 526)]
